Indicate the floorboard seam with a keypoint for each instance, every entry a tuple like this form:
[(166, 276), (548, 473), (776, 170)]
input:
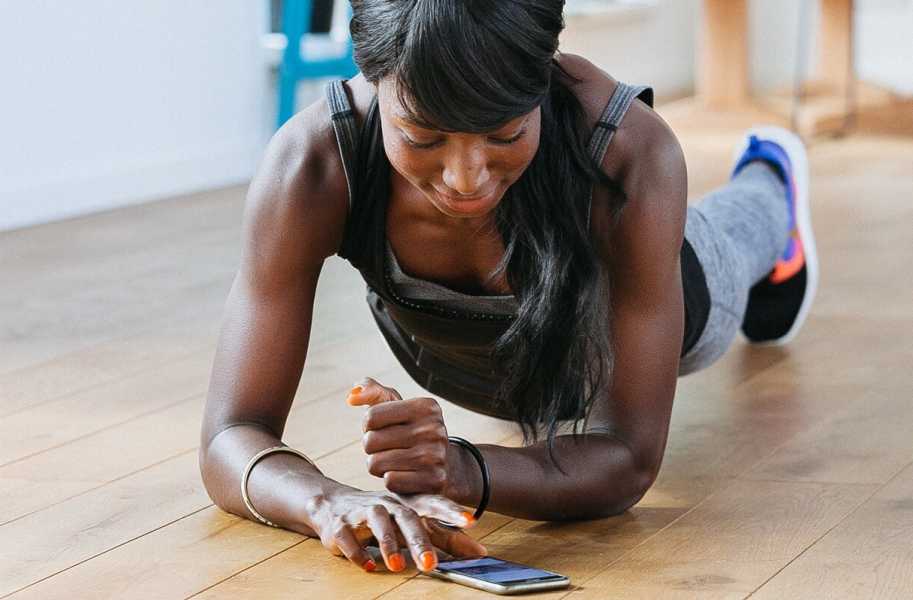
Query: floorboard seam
[(247, 568), (648, 538), (837, 524), (97, 487), (193, 396), (140, 416), (103, 383), (94, 556)]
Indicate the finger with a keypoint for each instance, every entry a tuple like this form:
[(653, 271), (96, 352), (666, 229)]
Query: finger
[(344, 539), (390, 438), (385, 533), (438, 507), (417, 538), (453, 541), (426, 481), (422, 459), (369, 392), (406, 435), (405, 411)]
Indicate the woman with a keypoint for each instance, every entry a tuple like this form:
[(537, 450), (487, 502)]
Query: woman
[(518, 264)]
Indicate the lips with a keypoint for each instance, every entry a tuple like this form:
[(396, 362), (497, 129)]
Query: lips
[(465, 198)]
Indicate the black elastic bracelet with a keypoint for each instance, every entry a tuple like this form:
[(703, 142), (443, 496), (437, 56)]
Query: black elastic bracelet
[(486, 475)]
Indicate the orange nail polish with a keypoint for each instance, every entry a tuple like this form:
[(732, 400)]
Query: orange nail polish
[(397, 562), (369, 566), (428, 560), (356, 390), (469, 517)]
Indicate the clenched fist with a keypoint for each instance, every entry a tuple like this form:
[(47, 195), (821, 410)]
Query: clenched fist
[(405, 440)]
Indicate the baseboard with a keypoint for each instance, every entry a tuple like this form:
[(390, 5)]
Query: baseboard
[(86, 190)]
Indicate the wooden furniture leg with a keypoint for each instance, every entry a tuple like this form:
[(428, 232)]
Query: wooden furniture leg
[(722, 69)]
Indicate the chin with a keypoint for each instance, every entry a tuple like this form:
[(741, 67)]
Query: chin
[(465, 209)]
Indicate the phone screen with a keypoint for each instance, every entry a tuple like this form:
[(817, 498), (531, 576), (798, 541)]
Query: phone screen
[(495, 570)]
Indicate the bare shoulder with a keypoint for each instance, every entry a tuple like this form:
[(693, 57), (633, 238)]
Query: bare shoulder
[(297, 202), (593, 88), (642, 131), (644, 157)]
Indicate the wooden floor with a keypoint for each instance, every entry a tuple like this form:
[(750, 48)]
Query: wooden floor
[(788, 473)]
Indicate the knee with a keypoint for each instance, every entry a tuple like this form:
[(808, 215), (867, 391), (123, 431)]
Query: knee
[(722, 326)]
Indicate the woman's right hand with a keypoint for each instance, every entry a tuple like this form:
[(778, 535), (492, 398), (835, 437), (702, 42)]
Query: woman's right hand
[(346, 518)]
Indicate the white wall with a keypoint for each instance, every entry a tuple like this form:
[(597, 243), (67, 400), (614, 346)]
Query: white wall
[(883, 45), (105, 103), (884, 48), (650, 47)]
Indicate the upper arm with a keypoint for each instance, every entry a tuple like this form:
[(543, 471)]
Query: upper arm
[(293, 219), (642, 253)]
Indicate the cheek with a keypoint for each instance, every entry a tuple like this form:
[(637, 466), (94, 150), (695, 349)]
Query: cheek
[(519, 160), (404, 161)]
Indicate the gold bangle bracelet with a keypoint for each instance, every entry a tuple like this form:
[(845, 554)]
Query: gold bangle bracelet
[(246, 475)]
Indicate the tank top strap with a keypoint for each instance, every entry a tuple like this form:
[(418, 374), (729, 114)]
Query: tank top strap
[(613, 114), (359, 148), (608, 123), (346, 129)]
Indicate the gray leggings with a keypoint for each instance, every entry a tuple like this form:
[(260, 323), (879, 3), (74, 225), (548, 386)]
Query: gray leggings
[(738, 231)]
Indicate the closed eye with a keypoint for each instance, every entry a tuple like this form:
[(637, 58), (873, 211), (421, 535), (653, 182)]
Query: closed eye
[(499, 141), (511, 140)]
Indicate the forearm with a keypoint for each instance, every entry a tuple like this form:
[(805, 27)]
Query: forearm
[(600, 479), (279, 485)]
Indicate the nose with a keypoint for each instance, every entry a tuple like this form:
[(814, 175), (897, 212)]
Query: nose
[(467, 174)]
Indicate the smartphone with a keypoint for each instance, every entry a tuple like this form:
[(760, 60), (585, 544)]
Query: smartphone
[(498, 576)]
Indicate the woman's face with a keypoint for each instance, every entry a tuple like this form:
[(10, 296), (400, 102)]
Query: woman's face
[(463, 175)]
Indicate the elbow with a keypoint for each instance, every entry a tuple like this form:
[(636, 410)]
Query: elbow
[(218, 487), (643, 483), (622, 499), (207, 478)]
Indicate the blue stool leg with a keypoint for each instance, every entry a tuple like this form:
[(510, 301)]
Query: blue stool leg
[(296, 17)]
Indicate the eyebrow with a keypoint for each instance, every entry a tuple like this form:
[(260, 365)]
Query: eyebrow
[(409, 120)]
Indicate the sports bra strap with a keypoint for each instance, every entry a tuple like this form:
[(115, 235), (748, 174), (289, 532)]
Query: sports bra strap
[(613, 114), (346, 130)]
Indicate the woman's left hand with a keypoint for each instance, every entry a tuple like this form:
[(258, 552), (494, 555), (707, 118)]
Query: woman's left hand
[(405, 440)]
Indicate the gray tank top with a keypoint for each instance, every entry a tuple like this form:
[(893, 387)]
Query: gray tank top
[(442, 338)]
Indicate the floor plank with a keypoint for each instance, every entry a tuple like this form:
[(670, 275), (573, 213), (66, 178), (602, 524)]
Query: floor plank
[(105, 362), (867, 442), (867, 556), (729, 544)]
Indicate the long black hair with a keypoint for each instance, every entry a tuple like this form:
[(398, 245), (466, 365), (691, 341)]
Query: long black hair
[(470, 66)]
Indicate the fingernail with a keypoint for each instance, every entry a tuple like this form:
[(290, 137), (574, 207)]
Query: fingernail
[(356, 390), (369, 566), (470, 519), (397, 562), (428, 560)]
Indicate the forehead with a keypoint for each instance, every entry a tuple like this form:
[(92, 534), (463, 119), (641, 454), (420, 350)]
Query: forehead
[(389, 101)]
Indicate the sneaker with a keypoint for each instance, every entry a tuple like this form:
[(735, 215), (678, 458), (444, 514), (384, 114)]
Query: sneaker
[(779, 304)]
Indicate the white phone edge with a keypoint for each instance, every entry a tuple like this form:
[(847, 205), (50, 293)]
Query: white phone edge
[(497, 588)]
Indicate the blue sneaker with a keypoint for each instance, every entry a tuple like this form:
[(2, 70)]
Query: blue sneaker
[(779, 304)]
